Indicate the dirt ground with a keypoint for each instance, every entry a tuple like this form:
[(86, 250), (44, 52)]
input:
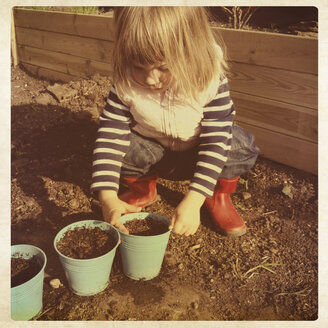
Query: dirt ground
[(270, 273)]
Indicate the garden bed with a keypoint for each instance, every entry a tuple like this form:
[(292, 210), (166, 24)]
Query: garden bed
[(270, 273)]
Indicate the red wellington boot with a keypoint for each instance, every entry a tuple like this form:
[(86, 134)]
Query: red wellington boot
[(142, 191), (225, 217)]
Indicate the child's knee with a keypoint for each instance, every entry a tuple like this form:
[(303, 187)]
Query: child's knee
[(243, 148), (241, 139), (143, 153)]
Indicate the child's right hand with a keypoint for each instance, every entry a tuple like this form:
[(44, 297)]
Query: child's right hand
[(112, 208), (186, 218)]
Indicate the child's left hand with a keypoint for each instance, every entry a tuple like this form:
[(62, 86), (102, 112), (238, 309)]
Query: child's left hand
[(186, 217)]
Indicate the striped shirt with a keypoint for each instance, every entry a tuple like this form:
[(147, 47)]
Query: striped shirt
[(215, 141), (213, 130)]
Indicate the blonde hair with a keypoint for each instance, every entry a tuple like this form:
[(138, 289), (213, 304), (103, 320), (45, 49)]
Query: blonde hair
[(178, 36)]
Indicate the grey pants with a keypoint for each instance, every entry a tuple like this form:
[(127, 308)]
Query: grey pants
[(146, 156)]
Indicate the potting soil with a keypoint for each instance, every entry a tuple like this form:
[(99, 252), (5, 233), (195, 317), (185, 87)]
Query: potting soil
[(86, 243), (146, 227), (23, 270)]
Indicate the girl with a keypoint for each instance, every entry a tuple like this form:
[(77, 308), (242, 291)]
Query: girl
[(169, 113)]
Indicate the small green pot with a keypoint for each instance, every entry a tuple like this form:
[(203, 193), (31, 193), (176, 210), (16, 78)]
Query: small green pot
[(26, 298), (142, 256), (87, 276)]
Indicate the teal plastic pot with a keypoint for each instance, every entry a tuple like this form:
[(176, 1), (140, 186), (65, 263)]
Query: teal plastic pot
[(87, 277), (142, 256), (26, 298)]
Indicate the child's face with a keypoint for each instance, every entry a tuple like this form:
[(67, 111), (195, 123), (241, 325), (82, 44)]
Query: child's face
[(155, 78)]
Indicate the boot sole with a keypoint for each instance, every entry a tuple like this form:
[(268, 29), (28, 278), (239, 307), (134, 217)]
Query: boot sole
[(232, 234)]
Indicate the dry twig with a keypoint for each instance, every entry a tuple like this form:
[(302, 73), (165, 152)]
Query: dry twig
[(240, 16), (304, 292), (249, 273)]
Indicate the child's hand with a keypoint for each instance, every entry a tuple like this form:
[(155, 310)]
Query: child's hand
[(186, 218), (112, 208)]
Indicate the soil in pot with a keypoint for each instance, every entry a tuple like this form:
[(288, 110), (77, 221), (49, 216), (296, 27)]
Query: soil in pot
[(86, 243), (146, 227), (22, 270)]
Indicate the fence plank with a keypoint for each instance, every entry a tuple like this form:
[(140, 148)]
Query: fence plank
[(62, 63), (93, 49), (275, 50), (297, 121), (287, 150), (48, 73), (13, 41), (275, 84), (92, 26)]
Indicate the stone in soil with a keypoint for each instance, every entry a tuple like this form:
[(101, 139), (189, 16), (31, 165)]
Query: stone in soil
[(146, 227), (23, 270), (86, 243)]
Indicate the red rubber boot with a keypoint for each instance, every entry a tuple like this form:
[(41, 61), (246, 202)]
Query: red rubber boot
[(142, 191), (225, 217)]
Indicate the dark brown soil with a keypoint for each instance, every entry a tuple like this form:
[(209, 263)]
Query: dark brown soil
[(146, 227), (86, 243), (22, 270), (270, 273)]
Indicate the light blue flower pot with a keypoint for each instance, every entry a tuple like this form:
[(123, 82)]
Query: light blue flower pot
[(26, 298), (87, 277), (142, 256)]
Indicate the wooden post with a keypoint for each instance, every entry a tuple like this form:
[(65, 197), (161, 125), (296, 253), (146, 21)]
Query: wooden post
[(13, 40)]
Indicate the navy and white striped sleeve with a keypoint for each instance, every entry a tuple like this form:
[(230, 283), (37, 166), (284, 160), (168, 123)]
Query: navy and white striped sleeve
[(112, 142), (215, 141)]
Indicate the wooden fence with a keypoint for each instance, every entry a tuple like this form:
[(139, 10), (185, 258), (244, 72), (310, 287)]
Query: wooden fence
[(273, 79)]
